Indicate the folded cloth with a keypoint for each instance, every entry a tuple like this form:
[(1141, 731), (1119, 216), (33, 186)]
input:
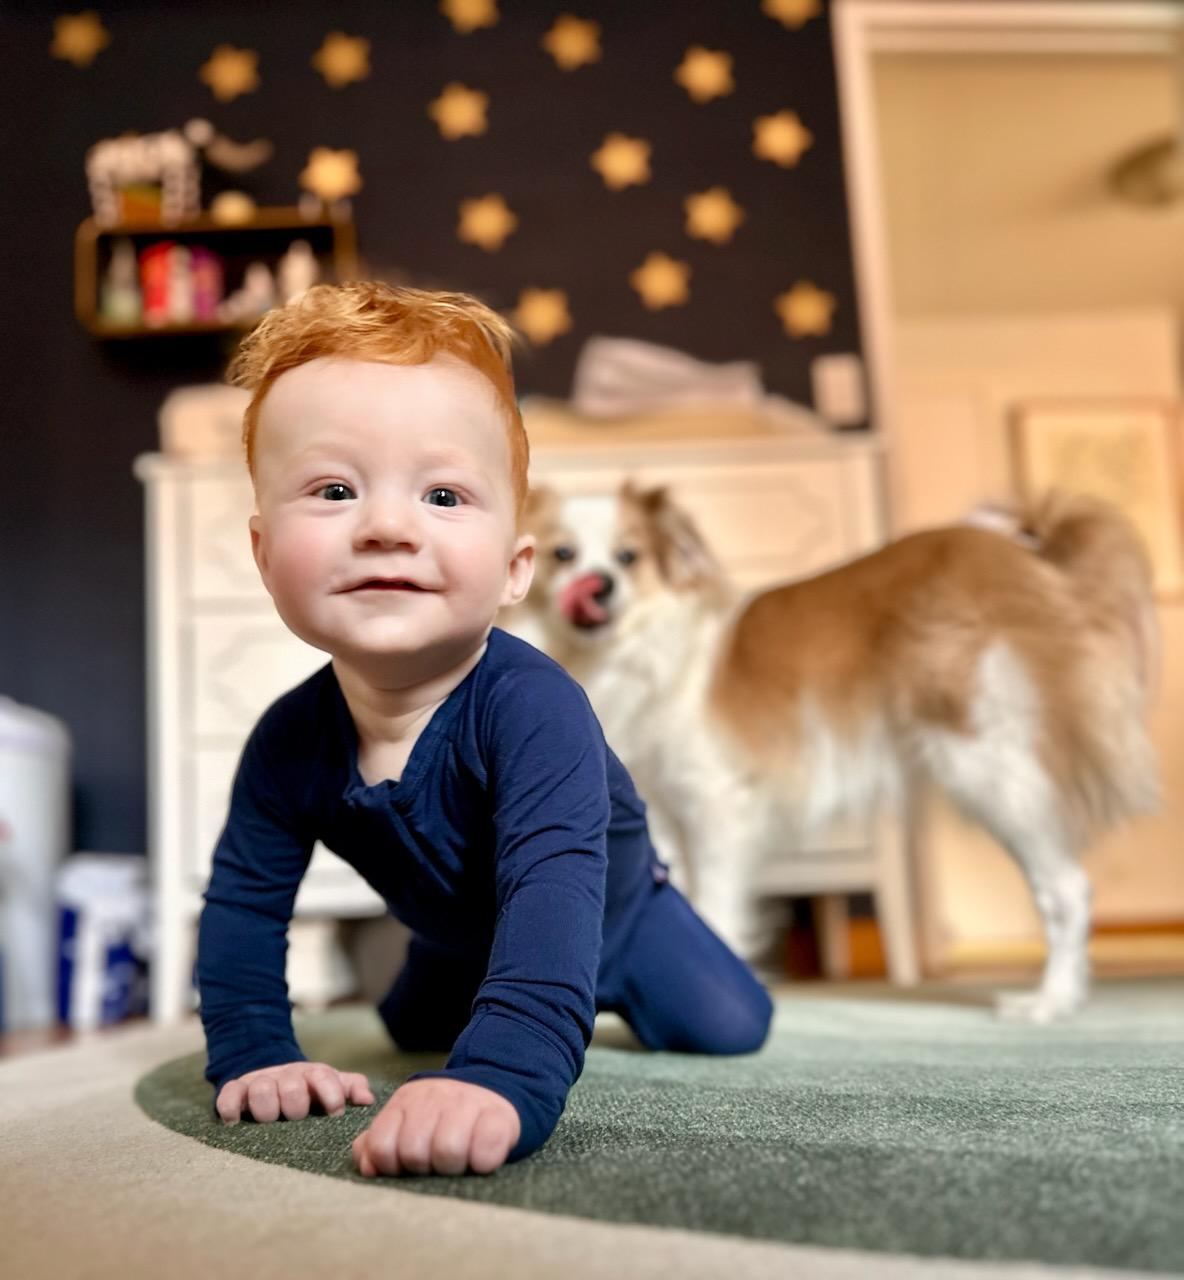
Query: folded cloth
[(203, 421), (615, 377)]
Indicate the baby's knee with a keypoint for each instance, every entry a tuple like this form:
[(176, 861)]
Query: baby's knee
[(743, 1028)]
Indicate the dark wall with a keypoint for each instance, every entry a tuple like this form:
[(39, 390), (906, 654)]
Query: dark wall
[(76, 411)]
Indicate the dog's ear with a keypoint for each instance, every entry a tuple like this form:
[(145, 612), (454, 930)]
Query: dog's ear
[(684, 558)]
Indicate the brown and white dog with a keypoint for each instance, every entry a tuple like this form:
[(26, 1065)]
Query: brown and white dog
[(1015, 677)]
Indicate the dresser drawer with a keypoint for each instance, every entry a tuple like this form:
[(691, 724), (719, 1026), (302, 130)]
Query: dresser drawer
[(236, 665), (765, 523)]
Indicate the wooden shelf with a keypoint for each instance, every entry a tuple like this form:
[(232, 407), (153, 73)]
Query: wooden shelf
[(265, 236)]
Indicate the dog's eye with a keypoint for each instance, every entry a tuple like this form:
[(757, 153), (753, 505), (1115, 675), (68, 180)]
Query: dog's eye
[(564, 553), (626, 555)]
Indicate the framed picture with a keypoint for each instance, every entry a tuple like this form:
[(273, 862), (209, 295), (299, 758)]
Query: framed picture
[(1126, 451)]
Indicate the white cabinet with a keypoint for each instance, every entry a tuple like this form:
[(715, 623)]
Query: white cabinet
[(774, 506), (218, 655)]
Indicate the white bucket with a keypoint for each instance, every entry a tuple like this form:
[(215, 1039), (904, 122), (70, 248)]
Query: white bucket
[(34, 838)]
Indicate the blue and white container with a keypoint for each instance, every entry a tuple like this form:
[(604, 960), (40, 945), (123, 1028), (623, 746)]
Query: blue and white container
[(35, 822), (104, 928)]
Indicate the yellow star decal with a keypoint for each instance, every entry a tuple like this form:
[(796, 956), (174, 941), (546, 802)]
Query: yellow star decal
[(792, 13), (572, 42), (459, 112), (342, 59), (622, 161), (661, 281), (705, 74), (467, 15), (781, 138), (805, 310), (542, 314), (330, 174), (230, 71), (486, 222), (78, 37), (713, 215)]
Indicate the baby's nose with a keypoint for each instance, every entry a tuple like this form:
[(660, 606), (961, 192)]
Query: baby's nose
[(387, 524)]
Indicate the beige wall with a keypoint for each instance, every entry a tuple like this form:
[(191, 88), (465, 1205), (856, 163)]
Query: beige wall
[(1015, 275), (994, 181)]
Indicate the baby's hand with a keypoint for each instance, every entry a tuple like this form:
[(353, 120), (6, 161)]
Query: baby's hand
[(289, 1090), (438, 1125)]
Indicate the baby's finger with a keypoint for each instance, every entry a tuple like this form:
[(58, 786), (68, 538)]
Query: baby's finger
[(263, 1098), (362, 1160), (415, 1139), (357, 1088), (293, 1096), (381, 1143), (490, 1142), (229, 1102), (328, 1088), (450, 1142)]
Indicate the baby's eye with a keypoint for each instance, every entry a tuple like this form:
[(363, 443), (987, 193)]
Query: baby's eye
[(335, 492), (443, 497)]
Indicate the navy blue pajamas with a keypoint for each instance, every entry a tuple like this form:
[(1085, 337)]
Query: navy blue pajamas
[(515, 848), (675, 982)]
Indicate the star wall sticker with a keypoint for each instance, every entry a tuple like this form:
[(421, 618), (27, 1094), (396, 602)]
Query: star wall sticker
[(542, 314), (805, 310), (460, 112), (662, 281), (486, 222), (792, 13), (572, 42), (342, 59), (467, 15), (622, 161), (781, 138), (330, 174), (713, 215), (230, 72), (705, 73), (79, 37)]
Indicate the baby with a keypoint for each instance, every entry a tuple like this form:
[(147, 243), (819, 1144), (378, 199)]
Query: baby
[(458, 769)]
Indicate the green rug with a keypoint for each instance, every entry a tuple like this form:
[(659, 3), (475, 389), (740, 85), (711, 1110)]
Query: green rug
[(893, 1125)]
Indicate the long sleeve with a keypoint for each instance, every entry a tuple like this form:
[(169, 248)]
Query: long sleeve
[(533, 1014), (259, 861)]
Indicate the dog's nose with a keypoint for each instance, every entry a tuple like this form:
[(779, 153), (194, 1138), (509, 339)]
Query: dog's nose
[(607, 584)]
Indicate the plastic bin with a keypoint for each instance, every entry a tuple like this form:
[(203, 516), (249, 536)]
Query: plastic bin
[(104, 907), (34, 838)]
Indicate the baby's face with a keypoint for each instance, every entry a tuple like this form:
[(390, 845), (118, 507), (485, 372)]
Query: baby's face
[(386, 522)]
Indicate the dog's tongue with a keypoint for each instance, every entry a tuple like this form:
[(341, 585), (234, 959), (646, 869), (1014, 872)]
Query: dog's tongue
[(578, 600)]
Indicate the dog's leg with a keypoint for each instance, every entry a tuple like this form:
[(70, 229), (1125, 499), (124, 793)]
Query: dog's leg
[(995, 775), (723, 851), (1062, 892), (670, 842)]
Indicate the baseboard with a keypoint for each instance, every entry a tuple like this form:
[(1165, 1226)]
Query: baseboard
[(1142, 945)]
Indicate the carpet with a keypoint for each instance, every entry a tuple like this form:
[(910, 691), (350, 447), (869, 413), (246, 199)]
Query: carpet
[(896, 1126)]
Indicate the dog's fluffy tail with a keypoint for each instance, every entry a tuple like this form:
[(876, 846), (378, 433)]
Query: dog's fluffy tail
[(1101, 551), (1108, 567)]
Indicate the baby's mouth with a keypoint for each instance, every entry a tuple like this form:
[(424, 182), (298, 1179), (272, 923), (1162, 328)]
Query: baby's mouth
[(386, 584)]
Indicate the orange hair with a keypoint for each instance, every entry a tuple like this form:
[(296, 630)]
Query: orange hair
[(369, 320)]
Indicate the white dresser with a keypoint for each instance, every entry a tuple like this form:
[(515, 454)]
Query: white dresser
[(774, 506)]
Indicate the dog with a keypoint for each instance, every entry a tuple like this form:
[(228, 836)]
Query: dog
[(1011, 668)]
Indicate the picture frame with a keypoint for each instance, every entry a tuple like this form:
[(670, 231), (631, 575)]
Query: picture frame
[(1125, 450)]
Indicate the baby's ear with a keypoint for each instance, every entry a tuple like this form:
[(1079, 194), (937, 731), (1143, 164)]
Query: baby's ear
[(521, 572), (258, 550)]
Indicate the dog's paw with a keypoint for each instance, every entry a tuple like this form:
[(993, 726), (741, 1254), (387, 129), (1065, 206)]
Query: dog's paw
[(1038, 1007)]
